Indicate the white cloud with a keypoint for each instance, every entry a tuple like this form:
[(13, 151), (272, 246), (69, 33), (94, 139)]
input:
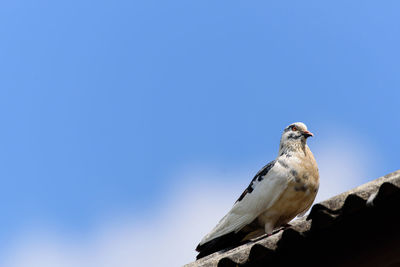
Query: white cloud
[(169, 238), (344, 163)]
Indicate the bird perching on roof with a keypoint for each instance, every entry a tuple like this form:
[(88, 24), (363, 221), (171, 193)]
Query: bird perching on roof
[(283, 189)]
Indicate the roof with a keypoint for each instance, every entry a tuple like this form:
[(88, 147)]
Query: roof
[(353, 223)]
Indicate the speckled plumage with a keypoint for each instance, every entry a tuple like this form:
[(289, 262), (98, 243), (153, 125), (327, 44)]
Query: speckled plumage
[(282, 190)]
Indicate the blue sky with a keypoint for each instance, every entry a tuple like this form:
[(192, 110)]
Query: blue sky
[(104, 104)]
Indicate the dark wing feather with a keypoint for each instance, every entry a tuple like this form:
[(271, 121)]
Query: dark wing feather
[(227, 241), (259, 176), (230, 240)]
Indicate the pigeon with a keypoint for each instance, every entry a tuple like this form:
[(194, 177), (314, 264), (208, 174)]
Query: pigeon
[(283, 189)]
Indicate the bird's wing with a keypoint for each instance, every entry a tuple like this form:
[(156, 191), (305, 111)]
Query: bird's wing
[(263, 191)]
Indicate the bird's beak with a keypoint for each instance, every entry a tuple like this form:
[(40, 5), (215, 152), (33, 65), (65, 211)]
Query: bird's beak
[(307, 134)]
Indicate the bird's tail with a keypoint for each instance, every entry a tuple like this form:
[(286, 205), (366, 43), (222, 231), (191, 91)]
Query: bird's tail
[(225, 242)]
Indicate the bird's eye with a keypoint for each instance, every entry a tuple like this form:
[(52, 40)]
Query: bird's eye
[(294, 128)]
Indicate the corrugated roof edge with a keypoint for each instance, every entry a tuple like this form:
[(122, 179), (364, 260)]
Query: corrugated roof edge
[(320, 216)]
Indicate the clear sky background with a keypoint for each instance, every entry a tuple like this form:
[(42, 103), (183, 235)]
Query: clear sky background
[(128, 128)]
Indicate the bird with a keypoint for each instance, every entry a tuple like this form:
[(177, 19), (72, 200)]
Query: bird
[(283, 189)]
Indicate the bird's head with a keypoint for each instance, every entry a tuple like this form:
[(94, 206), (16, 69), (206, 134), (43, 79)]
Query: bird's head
[(294, 137)]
